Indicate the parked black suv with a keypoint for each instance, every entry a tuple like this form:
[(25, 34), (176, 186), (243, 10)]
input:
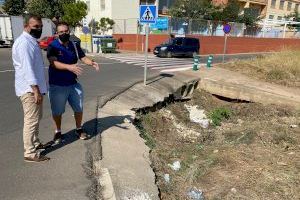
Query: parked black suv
[(178, 46)]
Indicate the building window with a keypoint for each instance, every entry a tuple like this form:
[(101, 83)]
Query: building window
[(102, 5), (289, 7), (273, 4), (279, 18), (271, 16), (281, 5), (297, 7)]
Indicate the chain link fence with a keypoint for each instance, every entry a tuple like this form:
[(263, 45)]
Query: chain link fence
[(179, 26)]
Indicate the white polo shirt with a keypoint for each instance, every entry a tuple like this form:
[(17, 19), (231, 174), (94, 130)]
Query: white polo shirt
[(29, 65)]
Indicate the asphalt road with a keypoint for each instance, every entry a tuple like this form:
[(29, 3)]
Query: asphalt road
[(63, 176)]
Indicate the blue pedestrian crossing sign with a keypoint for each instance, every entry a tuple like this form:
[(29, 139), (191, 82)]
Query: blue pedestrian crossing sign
[(148, 14)]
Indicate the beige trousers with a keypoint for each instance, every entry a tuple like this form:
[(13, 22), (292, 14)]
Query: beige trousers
[(32, 116)]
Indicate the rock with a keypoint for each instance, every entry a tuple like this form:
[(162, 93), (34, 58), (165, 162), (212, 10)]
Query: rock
[(294, 126), (291, 153), (239, 121), (167, 178), (233, 190), (216, 151), (176, 166), (282, 163), (195, 194)]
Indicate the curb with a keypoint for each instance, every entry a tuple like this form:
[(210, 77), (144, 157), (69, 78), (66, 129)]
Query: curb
[(112, 180), (104, 180)]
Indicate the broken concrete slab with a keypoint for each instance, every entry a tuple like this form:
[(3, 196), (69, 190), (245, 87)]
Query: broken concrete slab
[(124, 152), (233, 85)]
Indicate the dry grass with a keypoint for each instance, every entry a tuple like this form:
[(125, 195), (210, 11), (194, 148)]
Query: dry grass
[(254, 151), (280, 67)]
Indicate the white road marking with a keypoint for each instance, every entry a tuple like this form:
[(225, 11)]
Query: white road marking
[(3, 71), (177, 69)]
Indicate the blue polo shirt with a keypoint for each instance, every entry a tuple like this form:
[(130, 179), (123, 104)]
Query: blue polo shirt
[(66, 55)]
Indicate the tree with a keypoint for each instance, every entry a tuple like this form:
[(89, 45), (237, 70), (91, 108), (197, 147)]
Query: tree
[(94, 26), (230, 13), (204, 9), (39, 7), (295, 16), (57, 7), (106, 24), (250, 17), (14, 7), (46, 8), (192, 9), (74, 12)]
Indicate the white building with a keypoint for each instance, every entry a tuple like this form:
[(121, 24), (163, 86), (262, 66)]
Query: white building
[(125, 13)]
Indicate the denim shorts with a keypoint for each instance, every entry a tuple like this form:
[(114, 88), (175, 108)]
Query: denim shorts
[(60, 95)]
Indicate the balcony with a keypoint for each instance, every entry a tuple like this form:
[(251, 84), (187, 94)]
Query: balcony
[(261, 2)]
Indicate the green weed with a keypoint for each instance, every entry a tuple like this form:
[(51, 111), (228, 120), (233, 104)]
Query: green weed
[(218, 115)]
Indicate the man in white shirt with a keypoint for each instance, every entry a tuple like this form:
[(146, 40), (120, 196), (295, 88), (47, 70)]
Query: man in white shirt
[(30, 85)]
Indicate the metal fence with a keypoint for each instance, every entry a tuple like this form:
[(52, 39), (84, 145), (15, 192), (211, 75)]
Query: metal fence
[(179, 26)]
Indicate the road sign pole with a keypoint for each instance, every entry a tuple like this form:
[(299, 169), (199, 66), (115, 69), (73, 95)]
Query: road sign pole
[(146, 54), (86, 44), (226, 29), (148, 15), (225, 47)]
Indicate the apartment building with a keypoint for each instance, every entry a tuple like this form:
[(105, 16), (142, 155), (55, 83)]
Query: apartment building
[(258, 7), (278, 9), (124, 12)]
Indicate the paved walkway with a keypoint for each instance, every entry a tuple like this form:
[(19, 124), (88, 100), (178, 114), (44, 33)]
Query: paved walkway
[(234, 85)]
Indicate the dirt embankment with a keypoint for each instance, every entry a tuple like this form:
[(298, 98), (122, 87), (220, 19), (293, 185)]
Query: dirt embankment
[(280, 67), (252, 152)]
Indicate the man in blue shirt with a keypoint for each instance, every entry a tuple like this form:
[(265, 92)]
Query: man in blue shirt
[(63, 56)]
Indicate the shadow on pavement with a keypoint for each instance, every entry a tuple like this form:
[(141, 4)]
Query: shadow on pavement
[(91, 128), (161, 76)]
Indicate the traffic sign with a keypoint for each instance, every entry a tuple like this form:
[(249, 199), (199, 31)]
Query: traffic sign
[(85, 29), (85, 22), (148, 14), (226, 28)]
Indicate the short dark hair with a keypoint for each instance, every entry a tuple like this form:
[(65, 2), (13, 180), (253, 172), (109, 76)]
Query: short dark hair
[(62, 24), (27, 18)]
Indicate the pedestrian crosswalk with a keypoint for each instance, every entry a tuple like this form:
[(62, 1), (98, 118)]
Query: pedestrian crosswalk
[(154, 63)]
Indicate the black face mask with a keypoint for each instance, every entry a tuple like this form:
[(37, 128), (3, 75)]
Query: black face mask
[(36, 33), (64, 37)]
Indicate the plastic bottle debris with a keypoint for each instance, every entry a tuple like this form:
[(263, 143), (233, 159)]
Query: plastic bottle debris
[(293, 126), (175, 166), (195, 194), (167, 178)]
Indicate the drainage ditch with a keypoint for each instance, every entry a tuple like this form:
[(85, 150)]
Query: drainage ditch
[(212, 147)]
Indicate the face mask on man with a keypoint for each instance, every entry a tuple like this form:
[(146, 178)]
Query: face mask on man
[(36, 33), (64, 37)]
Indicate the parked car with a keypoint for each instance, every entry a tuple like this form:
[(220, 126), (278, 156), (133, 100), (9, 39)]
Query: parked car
[(178, 46), (45, 41)]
